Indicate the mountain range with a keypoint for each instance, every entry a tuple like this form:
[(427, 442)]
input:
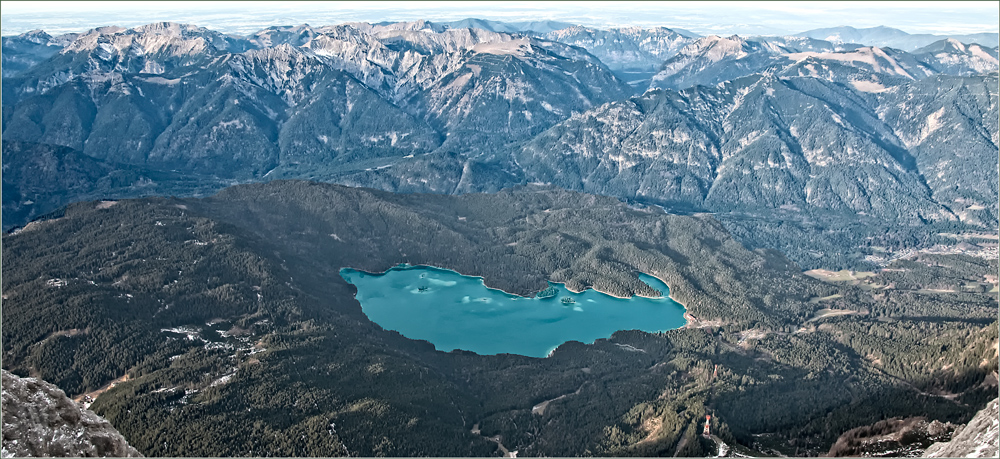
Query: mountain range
[(776, 125), (772, 141), (895, 38), (711, 60)]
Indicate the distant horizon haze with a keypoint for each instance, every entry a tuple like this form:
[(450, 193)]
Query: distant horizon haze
[(704, 18)]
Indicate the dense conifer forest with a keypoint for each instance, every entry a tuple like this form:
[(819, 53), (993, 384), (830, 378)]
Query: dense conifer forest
[(239, 337)]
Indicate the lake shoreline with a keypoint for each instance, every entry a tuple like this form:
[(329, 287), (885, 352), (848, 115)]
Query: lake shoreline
[(456, 311), (403, 266)]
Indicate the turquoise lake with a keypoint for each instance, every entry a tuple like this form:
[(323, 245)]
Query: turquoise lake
[(454, 311)]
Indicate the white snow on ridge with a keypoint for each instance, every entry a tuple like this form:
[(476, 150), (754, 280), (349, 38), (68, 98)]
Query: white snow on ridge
[(977, 51), (871, 56), (868, 86), (716, 48), (518, 47), (957, 44)]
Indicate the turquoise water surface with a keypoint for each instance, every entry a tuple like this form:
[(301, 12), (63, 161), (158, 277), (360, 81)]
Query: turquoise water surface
[(454, 311)]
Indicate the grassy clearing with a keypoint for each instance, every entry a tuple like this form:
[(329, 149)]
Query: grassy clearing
[(843, 275), (825, 298)]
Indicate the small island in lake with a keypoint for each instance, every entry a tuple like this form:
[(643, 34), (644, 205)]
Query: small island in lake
[(549, 292)]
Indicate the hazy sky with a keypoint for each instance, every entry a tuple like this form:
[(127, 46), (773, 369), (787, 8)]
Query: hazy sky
[(745, 18)]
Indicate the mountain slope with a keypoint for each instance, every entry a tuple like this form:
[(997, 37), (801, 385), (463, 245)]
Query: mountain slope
[(952, 134), (754, 142), (712, 60), (21, 52), (842, 141), (952, 57), (154, 49), (817, 169), (382, 105), (624, 49), (40, 178)]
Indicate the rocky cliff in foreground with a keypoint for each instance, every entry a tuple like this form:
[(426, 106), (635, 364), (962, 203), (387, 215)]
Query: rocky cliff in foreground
[(979, 438), (40, 420)]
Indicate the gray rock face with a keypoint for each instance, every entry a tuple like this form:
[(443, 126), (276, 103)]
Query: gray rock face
[(979, 438), (627, 48), (40, 420)]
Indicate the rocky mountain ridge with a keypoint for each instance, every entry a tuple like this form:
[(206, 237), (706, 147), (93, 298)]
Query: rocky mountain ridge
[(423, 106), (888, 36), (458, 89), (711, 60)]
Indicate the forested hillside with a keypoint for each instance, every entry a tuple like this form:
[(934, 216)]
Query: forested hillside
[(229, 318)]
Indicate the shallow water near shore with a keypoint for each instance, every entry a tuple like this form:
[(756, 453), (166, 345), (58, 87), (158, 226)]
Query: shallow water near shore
[(454, 311)]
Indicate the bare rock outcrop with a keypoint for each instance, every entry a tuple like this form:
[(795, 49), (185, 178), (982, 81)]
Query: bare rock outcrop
[(39, 420), (979, 438)]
